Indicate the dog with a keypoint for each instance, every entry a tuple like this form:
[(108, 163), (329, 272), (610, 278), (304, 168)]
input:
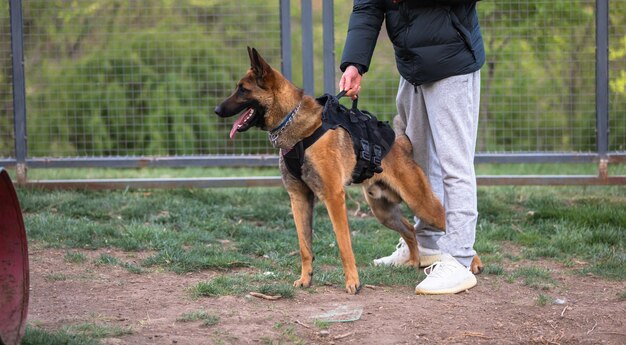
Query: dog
[(264, 98)]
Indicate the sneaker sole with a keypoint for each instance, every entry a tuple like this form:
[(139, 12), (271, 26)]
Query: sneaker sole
[(389, 264), (466, 285)]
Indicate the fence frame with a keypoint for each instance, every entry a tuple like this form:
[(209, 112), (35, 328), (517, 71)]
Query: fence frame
[(603, 157)]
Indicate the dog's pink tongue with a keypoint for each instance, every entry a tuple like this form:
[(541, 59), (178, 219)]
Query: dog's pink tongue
[(233, 130), (239, 121)]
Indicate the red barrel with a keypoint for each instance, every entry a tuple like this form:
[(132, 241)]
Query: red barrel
[(14, 282)]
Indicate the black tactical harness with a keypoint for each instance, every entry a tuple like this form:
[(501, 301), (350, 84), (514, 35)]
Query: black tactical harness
[(371, 138)]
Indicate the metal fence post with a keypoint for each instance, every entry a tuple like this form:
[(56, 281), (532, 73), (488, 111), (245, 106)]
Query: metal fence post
[(307, 48), (602, 84), (19, 91), (328, 18), (285, 38)]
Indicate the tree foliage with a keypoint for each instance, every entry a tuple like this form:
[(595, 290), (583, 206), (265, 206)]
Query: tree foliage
[(115, 78)]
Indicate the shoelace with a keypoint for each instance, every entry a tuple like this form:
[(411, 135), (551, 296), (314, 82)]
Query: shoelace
[(400, 243), (436, 270), (401, 249)]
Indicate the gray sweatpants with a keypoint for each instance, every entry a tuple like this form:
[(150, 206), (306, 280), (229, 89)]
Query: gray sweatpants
[(441, 120)]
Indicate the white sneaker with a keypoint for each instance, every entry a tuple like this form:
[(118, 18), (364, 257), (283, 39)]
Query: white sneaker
[(399, 257), (402, 255), (446, 277)]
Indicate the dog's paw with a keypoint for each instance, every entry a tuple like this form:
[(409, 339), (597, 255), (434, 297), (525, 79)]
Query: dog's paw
[(353, 288), (302, 282), (477, 265)]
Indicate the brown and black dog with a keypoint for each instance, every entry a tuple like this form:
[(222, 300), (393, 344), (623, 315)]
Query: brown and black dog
[(265, 98)]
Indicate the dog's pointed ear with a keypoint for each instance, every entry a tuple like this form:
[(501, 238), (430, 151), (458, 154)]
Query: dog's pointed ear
[(261, 69), (251, 56)]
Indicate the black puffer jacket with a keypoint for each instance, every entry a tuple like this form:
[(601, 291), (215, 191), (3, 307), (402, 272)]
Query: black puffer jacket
[(433, 39)]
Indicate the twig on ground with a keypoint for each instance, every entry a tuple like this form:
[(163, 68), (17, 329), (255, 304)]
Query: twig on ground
[(301, 324), (545, 341), (264, 296), (341, 336), (564, 310), (373, 287), (613, 333), (476, 335), (468, 334), (592, 328)]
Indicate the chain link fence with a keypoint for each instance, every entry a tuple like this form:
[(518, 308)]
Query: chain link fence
[(125, 82), (617, 76)]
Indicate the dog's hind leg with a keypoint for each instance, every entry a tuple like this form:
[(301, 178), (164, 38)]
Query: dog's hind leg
[(302, 201), (409, 181), (385, 205), (422, 202)]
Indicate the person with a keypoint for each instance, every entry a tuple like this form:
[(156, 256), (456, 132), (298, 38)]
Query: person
[(439, 51)]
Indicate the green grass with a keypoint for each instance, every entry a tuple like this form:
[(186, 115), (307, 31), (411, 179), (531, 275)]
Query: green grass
[(97, 330), (535, 277), (543, 300), (200, 315), (240, 284), (563, 224), (38, 336), (244, 233), (547, 169), (321, 324), (74, 257), (222, 285), (56, 277), (190, 172), (99, 173), (494, 269), (287, 336), (106, 259), (132, 268)]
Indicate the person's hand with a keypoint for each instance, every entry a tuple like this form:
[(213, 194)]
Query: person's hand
[(350, 82)]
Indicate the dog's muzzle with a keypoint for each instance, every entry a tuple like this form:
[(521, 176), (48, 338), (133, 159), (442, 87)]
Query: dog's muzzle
[(219, 111)]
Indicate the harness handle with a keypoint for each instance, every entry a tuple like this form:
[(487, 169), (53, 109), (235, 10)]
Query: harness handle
[(355, 102)]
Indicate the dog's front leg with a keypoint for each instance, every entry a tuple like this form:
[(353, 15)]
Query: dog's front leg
[(335, 200), (302, 208)]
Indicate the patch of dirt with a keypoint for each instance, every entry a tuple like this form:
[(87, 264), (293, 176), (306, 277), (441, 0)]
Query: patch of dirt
[(494, 312)]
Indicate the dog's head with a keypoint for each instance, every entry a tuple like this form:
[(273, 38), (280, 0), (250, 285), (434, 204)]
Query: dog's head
[(253, 97)]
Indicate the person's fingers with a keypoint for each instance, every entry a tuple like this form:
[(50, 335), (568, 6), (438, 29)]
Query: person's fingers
[(353, 92), (353, 88), (350, 79), (356, 93), (345, 84)]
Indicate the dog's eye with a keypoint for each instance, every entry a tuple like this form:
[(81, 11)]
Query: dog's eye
[(242, 90)]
